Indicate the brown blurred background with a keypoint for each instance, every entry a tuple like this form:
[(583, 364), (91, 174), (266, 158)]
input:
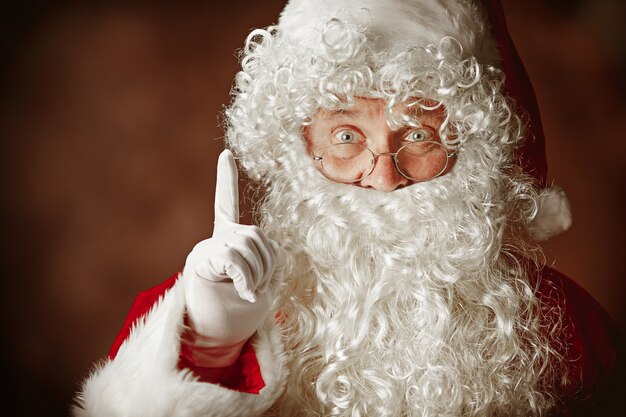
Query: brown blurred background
[(110, 130)]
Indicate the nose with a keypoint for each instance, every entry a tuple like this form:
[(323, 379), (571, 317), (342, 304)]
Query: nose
[(385, 176)]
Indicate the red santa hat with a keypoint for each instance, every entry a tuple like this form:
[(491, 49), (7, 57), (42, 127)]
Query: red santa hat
[(554, 215), (481, 30)]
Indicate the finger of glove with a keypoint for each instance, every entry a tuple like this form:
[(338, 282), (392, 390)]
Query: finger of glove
[(265, 251), (226, 191), (280, 254), (280, 260), (198, 260), (239, 271), (213, 268), (218, 265), (246, 247), (230, 264)]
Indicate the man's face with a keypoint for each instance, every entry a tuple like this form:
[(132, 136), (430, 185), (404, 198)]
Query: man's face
[(366, 124)]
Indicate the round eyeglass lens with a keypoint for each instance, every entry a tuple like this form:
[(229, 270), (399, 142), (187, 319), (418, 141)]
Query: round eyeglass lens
[(347, 162), (421, 161)]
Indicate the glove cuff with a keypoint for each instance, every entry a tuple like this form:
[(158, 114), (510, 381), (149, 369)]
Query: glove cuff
[(201, 351)]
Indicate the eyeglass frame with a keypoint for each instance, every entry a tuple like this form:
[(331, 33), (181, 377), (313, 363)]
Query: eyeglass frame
[(393, 156)]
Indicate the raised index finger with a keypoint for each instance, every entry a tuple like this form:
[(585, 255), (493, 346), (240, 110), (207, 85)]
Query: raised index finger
[(226, 191)]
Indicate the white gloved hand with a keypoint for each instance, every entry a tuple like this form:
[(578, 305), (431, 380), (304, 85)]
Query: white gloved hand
[(227, 278)]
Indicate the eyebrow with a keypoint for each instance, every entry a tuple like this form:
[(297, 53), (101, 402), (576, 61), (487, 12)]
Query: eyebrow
[(344, 113), (351, 112)]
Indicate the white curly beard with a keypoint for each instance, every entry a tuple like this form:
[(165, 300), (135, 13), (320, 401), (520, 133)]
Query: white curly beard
[(405, 303), (414, 302)]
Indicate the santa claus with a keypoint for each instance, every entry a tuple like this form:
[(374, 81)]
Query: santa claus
[(395, 270)]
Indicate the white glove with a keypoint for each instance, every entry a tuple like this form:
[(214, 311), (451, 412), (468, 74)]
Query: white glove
[(227, 278)]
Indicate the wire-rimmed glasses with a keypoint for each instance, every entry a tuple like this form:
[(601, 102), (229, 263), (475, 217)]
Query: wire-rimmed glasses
[(351, 162)]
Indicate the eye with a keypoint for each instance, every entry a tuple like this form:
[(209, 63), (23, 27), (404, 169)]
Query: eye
[(346, 136), (418, 135)]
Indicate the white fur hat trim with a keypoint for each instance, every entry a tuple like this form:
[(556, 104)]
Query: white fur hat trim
[(395, 23), (554, 215)]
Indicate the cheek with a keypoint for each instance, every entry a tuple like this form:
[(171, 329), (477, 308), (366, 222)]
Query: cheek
[(451, 164), (308, 141)]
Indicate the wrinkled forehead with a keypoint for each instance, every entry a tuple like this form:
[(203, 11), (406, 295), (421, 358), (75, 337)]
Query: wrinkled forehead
[(414, 110)]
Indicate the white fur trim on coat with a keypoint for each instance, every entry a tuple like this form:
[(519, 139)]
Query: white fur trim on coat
[(554, 215), (143, 379)]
